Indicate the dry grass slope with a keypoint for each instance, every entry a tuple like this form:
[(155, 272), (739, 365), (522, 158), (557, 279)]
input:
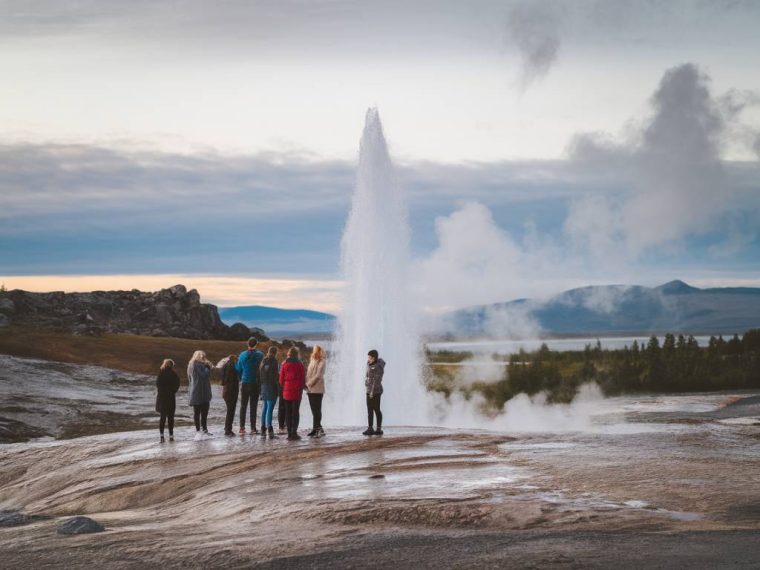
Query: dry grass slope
[(132, 353)]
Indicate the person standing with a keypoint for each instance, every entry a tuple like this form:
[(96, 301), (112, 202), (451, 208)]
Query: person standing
[(280, 410), (315, 388), (199, 379), (292, 380), (230, 391), (269, 374), (248, 369), (373, 382), (167, 384)]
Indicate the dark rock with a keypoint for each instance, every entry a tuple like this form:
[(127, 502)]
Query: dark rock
[(193, 298), (80, 525), (178, 291), (7, 307), (239, 331), (13, 518), (297, 343), (169, 312)]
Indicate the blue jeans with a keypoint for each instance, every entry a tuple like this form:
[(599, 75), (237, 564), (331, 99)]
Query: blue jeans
[(266, 413)]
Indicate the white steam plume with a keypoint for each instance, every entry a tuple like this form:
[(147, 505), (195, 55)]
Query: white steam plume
[(522, 413), (679, 186)]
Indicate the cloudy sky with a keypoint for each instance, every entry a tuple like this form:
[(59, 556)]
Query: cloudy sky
[(543, 145)]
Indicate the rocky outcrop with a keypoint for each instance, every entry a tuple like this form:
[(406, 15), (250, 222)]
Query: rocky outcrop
[(174, 312)]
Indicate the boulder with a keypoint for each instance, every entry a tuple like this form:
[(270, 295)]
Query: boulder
[(239, 331), (80, 525), (13, 518), (178, 291), (193, 298), (286, 342), (7, 306), (259, 334)]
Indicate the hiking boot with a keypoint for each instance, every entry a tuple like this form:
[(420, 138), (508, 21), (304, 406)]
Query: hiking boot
[(254, 431), (207, 433), (162, 439), (171, 438), (312, 433), (368, 431), (263, 431), (320, 432), (378, 432), (241, 431), (271, 432)]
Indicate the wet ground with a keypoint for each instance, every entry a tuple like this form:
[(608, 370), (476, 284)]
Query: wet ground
[(41, 399), (659, 482)]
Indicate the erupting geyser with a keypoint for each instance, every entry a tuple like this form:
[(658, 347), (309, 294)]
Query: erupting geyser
[(377, 312)]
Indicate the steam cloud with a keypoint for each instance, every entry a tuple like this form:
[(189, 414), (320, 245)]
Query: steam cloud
[(522, 413), (534, 28), (674, 185), (679, 184)]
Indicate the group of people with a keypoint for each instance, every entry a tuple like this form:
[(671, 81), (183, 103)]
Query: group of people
[(252, 376)]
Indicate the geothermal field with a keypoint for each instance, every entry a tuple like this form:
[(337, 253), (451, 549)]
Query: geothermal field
[(666, 481)]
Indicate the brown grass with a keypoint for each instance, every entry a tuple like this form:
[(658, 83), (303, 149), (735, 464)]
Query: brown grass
[(131, 353)]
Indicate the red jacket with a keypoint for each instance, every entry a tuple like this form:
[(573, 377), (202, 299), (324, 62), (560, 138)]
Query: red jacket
[(292, 379)]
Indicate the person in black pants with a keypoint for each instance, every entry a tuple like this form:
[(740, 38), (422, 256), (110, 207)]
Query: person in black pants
[(200, 415), (230, 391), (315, 386), (199, 390), (167, 384), (292, 380), (248, 368), (280, 410), (373, 382)]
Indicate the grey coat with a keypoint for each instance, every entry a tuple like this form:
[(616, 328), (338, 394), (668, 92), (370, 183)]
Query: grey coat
[(199, 377), (373, 381)]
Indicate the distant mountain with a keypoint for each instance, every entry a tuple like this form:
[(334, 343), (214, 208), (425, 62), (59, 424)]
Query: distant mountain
[(280, 322), (620, 309)]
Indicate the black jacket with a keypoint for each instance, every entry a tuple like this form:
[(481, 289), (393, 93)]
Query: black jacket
[(230, 381), (269, 377), (167, 384)]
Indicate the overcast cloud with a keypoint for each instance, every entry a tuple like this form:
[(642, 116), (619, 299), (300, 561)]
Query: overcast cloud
[(543, 144)]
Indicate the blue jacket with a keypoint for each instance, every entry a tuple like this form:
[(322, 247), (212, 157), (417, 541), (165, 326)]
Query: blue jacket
[(248, 366)]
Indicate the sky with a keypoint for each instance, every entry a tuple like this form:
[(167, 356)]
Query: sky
[(543, 145)]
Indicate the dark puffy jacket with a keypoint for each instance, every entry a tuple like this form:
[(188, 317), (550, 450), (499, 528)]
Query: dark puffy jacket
[(373, 381), (292, 379), (269, 374), (167, 384), (230, 380)]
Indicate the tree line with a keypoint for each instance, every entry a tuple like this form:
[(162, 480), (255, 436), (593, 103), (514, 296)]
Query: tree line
[(679, 364)]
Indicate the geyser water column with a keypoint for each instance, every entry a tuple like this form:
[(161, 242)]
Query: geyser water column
[(376, 312)]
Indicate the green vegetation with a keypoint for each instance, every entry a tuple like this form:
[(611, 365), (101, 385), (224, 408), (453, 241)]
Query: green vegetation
[(679, 365)]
